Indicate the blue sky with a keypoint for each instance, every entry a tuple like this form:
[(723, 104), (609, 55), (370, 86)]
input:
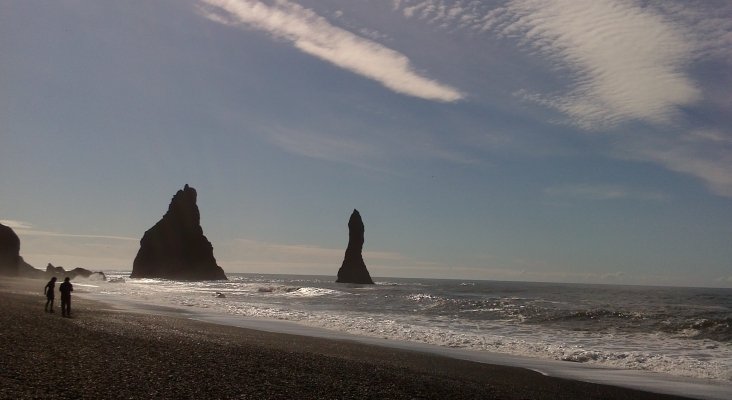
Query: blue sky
[(513, 140)]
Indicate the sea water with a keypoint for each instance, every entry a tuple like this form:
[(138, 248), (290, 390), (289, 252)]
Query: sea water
[(685, 332)]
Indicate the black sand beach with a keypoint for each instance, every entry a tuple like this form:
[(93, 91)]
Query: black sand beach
[(103, 353)]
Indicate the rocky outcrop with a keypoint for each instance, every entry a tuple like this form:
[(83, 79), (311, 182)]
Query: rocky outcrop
[(9, 251), (353, 269), (175, 247), (74, 273), (51, 270)]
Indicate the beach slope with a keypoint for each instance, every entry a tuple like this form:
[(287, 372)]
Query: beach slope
[(106, 353)]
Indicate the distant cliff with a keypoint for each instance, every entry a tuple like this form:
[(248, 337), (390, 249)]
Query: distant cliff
[(9, 251), (353, 269), (11, 263), (175, 247)]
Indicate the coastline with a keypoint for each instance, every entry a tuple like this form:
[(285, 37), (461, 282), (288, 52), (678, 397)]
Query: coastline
[(102, 352)]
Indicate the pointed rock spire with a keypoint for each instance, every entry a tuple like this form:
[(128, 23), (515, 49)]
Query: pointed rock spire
[(353, 269)]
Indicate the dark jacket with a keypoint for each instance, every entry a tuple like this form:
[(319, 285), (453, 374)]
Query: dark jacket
[(66, 288), (49, 289)]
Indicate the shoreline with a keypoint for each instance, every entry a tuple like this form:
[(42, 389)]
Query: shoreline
[(111, 353), (646, 381)]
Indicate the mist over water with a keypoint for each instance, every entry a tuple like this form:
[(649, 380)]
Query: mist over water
[(680, 331)]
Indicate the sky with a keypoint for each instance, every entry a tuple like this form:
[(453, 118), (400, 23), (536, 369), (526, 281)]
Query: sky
[(554, 141)]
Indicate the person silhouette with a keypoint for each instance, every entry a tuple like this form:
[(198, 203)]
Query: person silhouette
[(49, 292), (66, 288)]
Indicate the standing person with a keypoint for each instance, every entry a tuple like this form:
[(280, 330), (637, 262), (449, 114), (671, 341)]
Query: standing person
[(66, 288), (49, 292)]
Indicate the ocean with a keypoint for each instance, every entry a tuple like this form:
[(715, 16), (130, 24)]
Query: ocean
[(684, 332)]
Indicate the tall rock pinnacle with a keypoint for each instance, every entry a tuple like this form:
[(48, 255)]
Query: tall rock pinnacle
[(175, 247), (353, 269)]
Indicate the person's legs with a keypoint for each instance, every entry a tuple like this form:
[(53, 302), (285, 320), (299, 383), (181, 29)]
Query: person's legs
[(65, 307), (49, 301)]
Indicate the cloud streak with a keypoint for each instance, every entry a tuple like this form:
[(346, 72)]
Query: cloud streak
[(23, 228), (314, 35), (26, 228), (603, 192), (247, 255), (308, 252), (323, 146), (11, 223), (72, 235)]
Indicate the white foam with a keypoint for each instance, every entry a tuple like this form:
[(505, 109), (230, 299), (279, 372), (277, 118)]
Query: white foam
[(641, 380), (314, 292), (85, 285)]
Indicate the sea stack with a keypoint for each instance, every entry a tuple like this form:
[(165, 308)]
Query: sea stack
[(353, 269), (175, 247)]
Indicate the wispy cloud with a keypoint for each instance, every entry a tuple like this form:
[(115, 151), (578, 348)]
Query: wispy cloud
[(323, 146), (708, 136), (361, 153), (627, 62), (309, 252), (704, 154), (603, 192), (248, 255), (11, 223), (70, 250), (73, 235), (314, 35), (708, 22), (26, 229)]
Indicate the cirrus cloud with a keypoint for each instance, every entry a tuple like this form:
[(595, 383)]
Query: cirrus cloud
[(625, 61), (314, 35), (628, 61)]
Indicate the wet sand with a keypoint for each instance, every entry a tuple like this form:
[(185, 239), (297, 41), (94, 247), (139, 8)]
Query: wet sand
[(104, 353)]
